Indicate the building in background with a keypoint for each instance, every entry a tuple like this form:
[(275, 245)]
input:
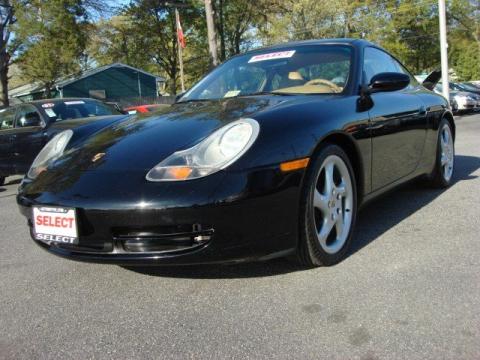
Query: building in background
[(114, 83)]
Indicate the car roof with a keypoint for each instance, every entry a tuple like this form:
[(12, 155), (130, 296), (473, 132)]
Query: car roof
[(333, 41), (38, 103), (58, 100)]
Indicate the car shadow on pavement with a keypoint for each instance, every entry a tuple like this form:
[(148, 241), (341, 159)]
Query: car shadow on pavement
[(14, 181), (11, 182), (374, 219), (387, 211)]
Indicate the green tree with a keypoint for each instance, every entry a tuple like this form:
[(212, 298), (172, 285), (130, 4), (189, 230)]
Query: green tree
[(236, 22), (8, 45), (54, 37), (143, 34), (464, 38), (112, 41), (304, 19)]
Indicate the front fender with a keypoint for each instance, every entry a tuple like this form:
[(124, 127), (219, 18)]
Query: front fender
[(293, 131), (82, 130)]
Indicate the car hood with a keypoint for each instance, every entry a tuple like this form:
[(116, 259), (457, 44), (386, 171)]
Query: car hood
[(144, 140)]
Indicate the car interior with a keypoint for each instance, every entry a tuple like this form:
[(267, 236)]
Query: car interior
[(308, 71)]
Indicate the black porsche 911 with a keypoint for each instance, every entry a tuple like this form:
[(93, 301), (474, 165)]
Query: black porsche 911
[(271, 154)]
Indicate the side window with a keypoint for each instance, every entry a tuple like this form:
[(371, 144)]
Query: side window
[(375, 62), (403, 70), (28, 116), (7, 119)]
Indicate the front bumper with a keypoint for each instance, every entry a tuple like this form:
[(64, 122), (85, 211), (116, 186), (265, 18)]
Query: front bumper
[(226, 217), (467, 105)]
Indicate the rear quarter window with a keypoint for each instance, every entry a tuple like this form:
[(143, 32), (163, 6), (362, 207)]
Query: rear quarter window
[(7, 119)]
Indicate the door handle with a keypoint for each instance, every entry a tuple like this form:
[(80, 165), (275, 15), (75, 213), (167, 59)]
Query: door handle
[(377, 126)]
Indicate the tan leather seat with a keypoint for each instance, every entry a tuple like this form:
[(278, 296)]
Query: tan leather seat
[(295, 75)]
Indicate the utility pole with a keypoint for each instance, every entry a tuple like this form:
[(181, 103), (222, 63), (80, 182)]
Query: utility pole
[(212, 36), (443, 48)]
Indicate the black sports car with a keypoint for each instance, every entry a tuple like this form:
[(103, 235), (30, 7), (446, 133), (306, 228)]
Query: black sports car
[(27, 127), (270, 154)]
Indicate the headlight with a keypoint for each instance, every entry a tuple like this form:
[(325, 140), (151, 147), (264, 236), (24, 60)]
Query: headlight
[(214, 153), (52, 151)]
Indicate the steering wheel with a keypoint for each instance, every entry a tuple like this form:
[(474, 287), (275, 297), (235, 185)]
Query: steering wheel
[(330, 84)]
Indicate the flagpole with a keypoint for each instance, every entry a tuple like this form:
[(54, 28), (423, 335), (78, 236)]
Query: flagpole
[(180, 51)]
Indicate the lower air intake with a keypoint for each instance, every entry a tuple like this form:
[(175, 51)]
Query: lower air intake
[(162, 239)]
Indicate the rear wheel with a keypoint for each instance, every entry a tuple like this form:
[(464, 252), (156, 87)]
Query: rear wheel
[(328, 208), (2, 180), (443, 173)]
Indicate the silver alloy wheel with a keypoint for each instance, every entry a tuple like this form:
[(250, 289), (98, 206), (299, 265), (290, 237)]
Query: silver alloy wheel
[(448, 152), (332, 204)]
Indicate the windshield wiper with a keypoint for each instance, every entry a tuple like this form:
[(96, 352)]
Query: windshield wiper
[(191, 100), (266, 93), (240, 95)]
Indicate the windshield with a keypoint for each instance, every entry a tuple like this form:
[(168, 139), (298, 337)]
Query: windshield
[(75, 109), (320, 69), (467, 87)]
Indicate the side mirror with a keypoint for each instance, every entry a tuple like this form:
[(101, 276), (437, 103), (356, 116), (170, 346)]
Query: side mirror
[(388, 81), (30, 119)]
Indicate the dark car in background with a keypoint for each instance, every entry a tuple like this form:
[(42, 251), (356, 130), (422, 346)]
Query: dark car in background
[(27, 127), (466, 87)]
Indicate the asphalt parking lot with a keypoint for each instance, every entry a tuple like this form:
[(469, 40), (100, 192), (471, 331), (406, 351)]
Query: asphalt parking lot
[(410, 289)]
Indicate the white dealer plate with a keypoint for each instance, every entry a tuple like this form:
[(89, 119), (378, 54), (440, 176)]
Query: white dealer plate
[(55, 224)]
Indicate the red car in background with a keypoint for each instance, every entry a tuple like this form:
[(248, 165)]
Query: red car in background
[(143, 108)]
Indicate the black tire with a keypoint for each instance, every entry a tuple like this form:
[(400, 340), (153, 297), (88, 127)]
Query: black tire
[(2, 180), (310, 253), (437, 177)]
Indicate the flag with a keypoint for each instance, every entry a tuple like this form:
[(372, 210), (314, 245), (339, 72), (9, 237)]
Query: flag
[(181, 37)]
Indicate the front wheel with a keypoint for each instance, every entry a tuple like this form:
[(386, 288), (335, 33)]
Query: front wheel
[(328, 208), (442, 174)]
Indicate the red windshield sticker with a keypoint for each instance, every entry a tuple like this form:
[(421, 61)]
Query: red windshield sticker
[(272, 56), (48, 105)]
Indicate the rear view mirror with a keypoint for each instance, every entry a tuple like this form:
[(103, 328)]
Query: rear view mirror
[(388, 81), (30, 119)]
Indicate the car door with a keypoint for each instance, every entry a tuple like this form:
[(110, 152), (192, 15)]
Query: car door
[(398, 123), (7, 145), (29, 136)]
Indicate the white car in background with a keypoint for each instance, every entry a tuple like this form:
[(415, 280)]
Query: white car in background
[(461, 100)]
